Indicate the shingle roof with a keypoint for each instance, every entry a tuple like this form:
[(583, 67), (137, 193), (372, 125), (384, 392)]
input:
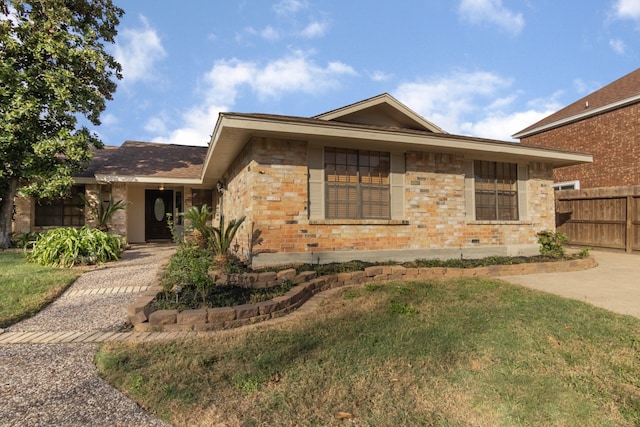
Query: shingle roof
[(622, 89), (134, 158)]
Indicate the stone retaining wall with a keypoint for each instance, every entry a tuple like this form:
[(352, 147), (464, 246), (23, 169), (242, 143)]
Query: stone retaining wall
[(144, 320)]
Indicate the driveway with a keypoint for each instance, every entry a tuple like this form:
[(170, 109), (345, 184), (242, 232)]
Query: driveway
[(614, 284)]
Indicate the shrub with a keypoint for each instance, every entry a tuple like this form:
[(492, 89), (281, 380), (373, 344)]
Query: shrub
[(66, 247), (551, 243), (189, 267)]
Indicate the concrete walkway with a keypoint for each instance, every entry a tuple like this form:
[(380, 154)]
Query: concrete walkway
[(614, 284)]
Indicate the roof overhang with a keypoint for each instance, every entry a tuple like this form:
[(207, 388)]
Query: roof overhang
[(146, 179), (577, 117), (233, 131)]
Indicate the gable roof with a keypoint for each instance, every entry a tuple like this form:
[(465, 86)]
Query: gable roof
[(233, 131), (622, 92), (381, 110), (136, 161)]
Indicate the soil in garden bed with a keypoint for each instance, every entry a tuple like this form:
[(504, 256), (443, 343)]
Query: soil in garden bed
[(216, 296)]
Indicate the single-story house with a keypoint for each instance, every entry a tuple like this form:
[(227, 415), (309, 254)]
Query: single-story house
[(368, 181)]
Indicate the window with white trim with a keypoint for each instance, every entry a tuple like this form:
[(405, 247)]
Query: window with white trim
[(568, 185)]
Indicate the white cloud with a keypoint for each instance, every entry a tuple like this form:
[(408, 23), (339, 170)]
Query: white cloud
[(284, 7), (627, 9), (473, 103), (314, 29), (493, 12), (618, 46), (294, 73), (380, 76), (138, 50), (270, 33)]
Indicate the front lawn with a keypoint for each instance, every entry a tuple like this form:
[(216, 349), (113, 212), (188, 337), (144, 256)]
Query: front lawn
[(461, 352), (26, 288)]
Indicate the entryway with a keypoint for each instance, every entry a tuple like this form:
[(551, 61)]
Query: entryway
[(158, 203)]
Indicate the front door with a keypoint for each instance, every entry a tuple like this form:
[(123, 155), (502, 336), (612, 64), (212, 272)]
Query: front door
[(158, 203)]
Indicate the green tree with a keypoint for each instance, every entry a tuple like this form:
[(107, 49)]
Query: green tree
[(54, 71)]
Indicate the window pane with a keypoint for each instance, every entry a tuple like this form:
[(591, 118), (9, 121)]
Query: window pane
[(357, 183), (67, 212), (496, 190)]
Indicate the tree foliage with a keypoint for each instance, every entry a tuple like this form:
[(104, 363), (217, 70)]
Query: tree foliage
[(54, 71)]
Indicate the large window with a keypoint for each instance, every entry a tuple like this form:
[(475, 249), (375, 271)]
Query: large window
[(357, 184), (67, 212), (496, 190)]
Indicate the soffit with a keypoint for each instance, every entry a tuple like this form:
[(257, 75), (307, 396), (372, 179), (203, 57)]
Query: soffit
[(233, 131)]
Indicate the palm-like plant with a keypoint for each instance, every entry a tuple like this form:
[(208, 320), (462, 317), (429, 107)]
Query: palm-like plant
[(221, 239), (102, 212), (198, 217)]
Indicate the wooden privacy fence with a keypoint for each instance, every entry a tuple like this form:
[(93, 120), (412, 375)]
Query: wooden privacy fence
[(600, 217)]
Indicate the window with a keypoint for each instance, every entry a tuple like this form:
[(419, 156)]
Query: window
[(201, 197), (67, 212), (496, 190), (356, 184), (569, 185)]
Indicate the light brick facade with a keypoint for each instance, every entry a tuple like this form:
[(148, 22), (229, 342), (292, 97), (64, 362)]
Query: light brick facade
[(269, 184)]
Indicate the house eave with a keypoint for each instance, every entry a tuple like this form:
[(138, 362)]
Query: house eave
[(233, 131), (577, 117), (99, 178)]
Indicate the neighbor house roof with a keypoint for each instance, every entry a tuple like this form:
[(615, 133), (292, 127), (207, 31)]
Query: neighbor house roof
[(149, 162), (622, 92)]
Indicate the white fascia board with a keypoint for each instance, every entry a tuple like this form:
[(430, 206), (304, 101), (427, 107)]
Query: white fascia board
[(451, 144), (147, 179), (578, 117)]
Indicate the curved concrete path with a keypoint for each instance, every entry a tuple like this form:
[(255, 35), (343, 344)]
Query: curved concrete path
[(47, 375), (614, 284)]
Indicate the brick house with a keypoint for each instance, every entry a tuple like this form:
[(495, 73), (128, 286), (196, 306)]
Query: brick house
[(369, 181), (604, 123)]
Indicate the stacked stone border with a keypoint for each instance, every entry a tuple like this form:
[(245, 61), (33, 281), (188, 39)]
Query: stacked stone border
[(307, 285)]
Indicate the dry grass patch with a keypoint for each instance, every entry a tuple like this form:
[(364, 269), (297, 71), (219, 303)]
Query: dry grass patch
[(463, 352)]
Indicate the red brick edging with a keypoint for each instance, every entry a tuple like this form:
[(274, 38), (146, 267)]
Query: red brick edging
[(307, 285)]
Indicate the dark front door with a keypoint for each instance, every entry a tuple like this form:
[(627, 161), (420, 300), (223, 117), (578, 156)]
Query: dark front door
[(158, 203)]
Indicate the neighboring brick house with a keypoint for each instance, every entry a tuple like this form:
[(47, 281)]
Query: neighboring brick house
[(605, 123), (369, 181)]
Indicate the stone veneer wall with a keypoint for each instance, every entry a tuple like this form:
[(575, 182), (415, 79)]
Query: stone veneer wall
[(209, 319), (268, 183)]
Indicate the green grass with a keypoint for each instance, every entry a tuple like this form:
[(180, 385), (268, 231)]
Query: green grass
[(456, 353), (26, 288)]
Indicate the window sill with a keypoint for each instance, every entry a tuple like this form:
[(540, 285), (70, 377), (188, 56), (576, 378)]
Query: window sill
[(358, 222)]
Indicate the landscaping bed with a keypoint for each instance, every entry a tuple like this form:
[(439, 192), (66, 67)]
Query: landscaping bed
[(151, 311)]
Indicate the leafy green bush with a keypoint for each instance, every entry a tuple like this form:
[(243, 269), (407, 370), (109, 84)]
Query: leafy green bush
[(551, 243), (189, 267), (24, 240), (66, 247)]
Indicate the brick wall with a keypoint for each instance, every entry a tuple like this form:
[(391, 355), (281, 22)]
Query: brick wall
[(614, 140), (268, 183)]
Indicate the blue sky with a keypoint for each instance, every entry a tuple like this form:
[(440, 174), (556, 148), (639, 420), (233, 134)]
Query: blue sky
[(485, 68)]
